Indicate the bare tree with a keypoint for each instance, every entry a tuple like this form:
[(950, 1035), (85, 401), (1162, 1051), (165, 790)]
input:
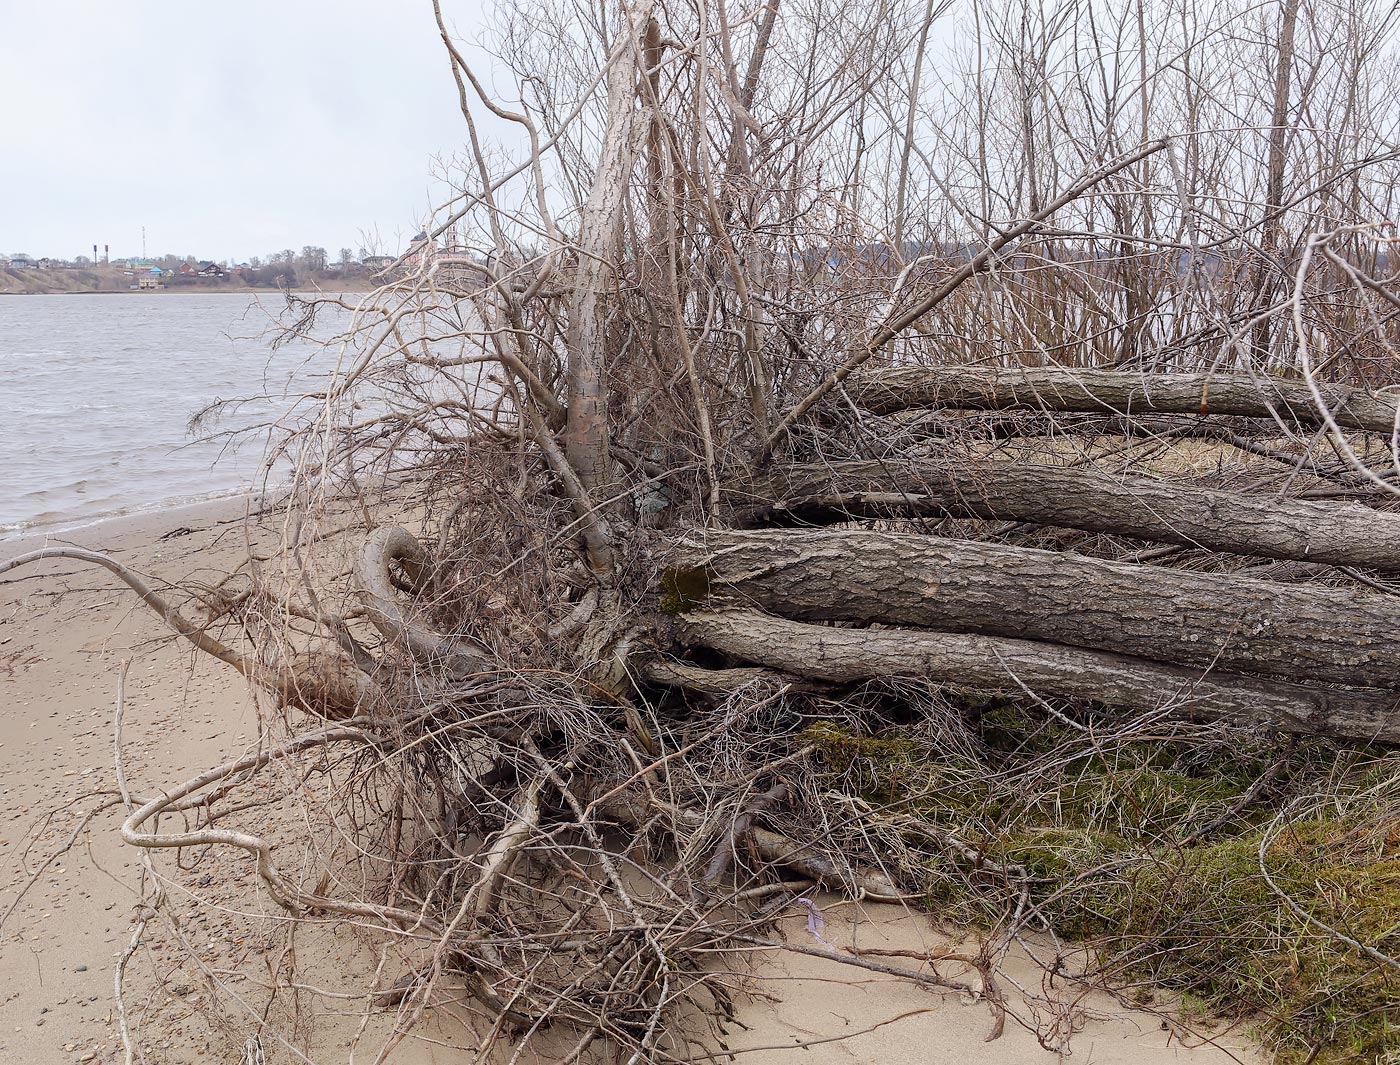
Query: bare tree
[(313, 259)]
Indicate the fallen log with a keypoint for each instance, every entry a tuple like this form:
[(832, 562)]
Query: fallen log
[(1339, 534), (843, 655), (1329, 635), (1118, 392), (665, 673)]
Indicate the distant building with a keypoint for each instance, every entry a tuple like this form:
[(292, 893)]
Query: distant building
[(155, 277), (22, 262), (375, 263), (211, 269), (420, 252)]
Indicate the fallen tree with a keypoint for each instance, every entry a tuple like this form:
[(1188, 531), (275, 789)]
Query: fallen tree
[(1016, 667), (1146, 508), (1123, 393), (606, 731), (1334, 635)]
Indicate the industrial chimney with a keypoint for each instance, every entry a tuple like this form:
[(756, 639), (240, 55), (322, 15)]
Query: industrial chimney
[(106, 254)]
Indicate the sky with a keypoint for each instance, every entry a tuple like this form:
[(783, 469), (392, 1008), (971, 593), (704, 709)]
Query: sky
[(227, 130)]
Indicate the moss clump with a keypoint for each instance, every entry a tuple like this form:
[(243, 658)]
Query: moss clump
[(1161, 840), (841, 747), (877, 769), (1205, 919), (684, 588)]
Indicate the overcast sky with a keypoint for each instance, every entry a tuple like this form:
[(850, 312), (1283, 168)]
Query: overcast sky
[(226, 129)]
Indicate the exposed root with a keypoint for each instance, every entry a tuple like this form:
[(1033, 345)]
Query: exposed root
[(319, 681), (457, 656)]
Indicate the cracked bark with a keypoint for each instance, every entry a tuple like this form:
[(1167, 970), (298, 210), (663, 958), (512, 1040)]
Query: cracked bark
[(1117, 392), (996, 664), (1238, 624), (1339, 534)]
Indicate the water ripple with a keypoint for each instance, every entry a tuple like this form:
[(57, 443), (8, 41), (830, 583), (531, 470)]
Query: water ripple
[(96, 392)]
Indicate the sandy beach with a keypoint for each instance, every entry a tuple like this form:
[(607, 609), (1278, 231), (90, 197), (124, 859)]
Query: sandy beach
[(195, 991)]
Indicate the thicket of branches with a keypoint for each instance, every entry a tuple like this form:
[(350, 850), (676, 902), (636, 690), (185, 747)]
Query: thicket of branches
[(936, 452)]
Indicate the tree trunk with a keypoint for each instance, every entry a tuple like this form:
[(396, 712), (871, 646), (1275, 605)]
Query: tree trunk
[(1116, 392), (586, 428), (1208, 620), (848, 655), (1339, 534), (1271, 227)]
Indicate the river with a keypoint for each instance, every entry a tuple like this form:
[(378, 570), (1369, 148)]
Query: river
[(97, 391)]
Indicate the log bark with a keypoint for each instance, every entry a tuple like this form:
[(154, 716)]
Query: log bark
[(1339, 534), (996, 664), (1118, 392), (1328, 635), (665, 673)]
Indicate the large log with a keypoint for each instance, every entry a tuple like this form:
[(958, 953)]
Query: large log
[(1325, 634), (994, 664), (1340, 534), (1118, 392)]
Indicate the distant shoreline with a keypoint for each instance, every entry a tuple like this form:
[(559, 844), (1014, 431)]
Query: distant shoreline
[(208, 291), (77, 281)]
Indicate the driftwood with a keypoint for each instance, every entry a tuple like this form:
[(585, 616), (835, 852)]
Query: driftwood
[(1329, 635), (1339, 534), (321, 681), (844, 655), (1119, 392)]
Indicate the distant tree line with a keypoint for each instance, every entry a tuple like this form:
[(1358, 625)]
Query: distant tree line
[(282, 269), (287, 268)]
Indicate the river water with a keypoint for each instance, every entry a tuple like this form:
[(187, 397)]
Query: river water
[(97, 391)]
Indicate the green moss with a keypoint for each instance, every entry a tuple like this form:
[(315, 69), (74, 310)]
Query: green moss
[(1163, 851), (841, 746), (876, 768), (684, 588)]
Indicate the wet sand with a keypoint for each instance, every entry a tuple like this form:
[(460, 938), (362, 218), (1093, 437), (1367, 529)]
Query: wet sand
[(193, 991)]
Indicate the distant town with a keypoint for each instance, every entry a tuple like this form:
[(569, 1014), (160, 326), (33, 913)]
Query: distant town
[(312, 266)]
